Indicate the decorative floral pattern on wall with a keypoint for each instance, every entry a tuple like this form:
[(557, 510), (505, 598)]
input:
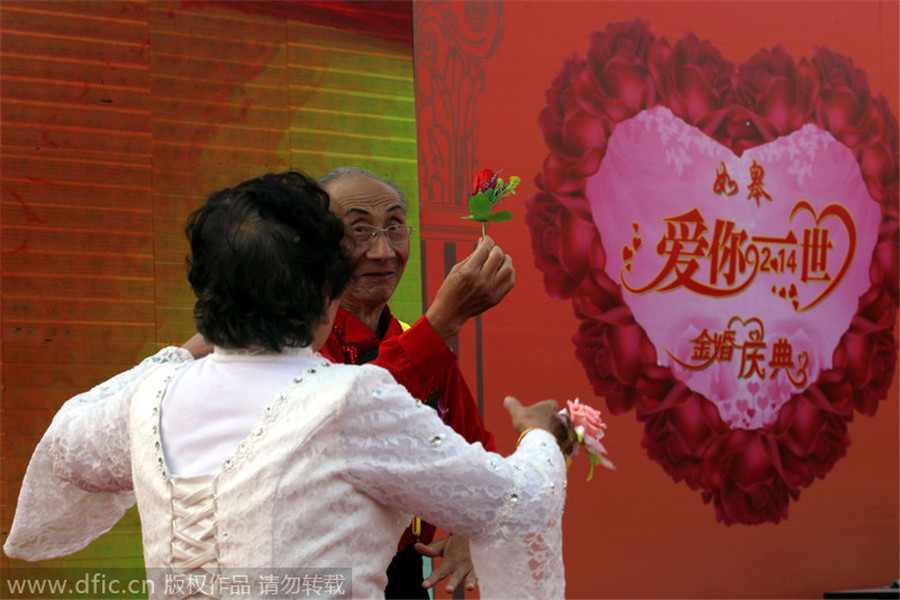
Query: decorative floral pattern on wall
[(762, 125)]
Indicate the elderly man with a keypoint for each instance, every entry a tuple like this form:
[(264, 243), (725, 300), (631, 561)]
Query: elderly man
[(418, 357)]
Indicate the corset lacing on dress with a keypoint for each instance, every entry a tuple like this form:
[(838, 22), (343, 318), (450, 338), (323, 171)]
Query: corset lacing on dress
[(195, 557)]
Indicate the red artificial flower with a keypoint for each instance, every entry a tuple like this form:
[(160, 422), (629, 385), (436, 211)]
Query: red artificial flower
[(483, 181)]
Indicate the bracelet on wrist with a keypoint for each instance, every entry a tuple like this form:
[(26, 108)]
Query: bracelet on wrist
[(522, 435)]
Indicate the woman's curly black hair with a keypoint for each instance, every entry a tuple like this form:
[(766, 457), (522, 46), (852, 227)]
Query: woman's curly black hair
[(265, 255)]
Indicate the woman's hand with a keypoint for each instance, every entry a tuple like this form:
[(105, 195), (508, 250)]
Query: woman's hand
[(541, 415)]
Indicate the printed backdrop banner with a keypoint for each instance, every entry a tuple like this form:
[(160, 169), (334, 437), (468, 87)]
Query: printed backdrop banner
[(705, 236), (726, 273)]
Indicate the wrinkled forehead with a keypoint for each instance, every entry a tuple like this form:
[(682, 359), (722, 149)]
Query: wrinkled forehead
[(363, 195)]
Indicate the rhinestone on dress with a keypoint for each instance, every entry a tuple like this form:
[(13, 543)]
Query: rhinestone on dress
[(436, 440), (228, 464), (298, 379), (514, 498)]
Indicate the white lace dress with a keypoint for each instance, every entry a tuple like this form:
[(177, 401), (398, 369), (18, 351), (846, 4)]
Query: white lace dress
[(326, 479)]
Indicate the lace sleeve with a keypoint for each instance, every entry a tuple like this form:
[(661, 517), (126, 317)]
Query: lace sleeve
[(78, 482), (510, 508)]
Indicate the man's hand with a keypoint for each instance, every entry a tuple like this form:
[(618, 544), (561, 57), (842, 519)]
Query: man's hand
[(473, 285), (456, 562), (198, 346)]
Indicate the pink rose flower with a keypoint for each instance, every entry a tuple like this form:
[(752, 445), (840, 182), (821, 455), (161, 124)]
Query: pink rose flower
[(587, 422), (587, 429)]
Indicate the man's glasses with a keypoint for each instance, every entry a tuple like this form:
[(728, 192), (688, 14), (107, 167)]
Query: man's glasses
[(396, 234)]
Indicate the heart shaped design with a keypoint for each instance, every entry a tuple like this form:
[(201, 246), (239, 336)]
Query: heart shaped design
[(740, 158), (714, 266)]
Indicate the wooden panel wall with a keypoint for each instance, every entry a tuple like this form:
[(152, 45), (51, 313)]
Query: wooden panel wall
[(118, 118)]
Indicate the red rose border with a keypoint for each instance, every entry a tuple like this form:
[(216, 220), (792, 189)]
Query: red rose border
[(749, 475)]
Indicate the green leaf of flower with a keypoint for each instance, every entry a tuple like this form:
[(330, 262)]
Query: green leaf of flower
[(500, 216), (480, 207)]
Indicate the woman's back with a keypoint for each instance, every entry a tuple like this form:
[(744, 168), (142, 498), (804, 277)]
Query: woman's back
[(325, 476), (280, 500)]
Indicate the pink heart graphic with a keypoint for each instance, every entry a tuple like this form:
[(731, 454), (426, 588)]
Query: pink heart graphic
[(711, 260), (772, 153)]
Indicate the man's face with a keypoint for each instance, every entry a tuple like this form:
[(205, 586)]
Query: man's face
[(378, 263)]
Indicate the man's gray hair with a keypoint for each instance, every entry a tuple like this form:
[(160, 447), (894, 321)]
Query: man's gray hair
[(341, 172)]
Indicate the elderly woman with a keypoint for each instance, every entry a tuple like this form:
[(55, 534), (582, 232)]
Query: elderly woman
[(263, 455)]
